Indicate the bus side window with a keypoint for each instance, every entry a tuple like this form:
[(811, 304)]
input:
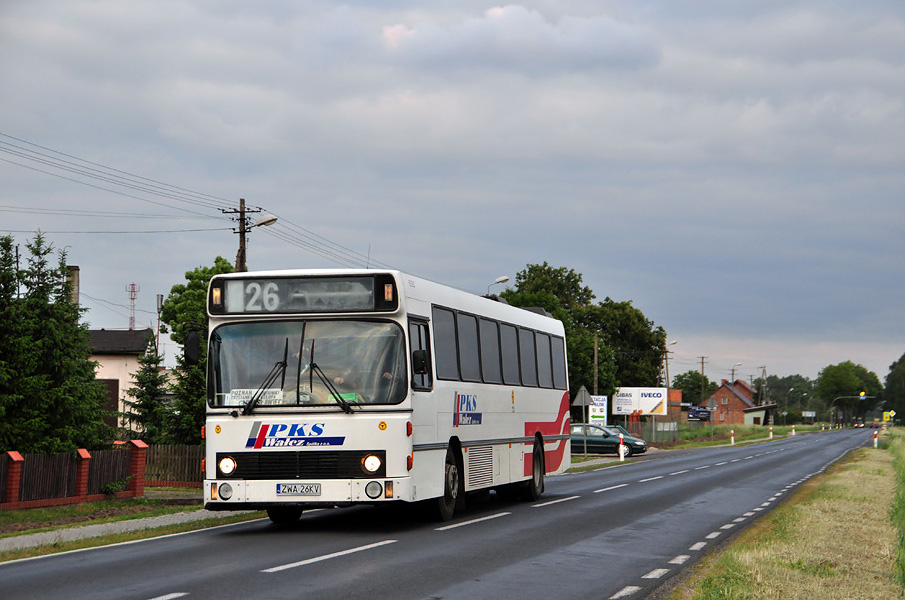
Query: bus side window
[(421, 363)]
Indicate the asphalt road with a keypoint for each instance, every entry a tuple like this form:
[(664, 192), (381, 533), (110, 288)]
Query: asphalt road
[(617, 532)]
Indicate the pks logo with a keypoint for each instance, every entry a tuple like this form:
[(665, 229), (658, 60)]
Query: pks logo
[(281, 435), (466, 410)]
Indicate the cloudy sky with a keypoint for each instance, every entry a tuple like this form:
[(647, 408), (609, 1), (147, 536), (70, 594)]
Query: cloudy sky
[(733, 169)]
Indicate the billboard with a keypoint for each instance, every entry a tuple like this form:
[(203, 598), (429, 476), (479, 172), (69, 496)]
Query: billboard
[(646, 401)]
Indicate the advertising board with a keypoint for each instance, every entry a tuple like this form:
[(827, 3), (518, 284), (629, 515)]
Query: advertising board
[(644, 401)]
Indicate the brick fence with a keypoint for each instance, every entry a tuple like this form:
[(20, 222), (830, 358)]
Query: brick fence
[(11, 497)]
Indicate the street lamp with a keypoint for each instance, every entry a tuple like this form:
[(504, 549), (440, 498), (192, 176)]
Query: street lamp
[(733, 371), (500, 279)]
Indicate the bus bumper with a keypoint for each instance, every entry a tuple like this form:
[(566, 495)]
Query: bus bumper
[(229, 494)]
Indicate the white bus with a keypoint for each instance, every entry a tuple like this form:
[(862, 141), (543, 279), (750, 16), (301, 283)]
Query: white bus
[(328, 388)]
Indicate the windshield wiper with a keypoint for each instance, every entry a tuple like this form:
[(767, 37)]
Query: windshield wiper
[(337, 397), (278, 370)]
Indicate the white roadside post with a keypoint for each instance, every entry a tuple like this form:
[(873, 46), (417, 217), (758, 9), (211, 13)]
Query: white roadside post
[(771, 433), (732, 437), (876, 434), (621, 448), (793, 430)]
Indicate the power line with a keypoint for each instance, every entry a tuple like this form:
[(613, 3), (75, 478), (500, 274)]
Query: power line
[(78, 170), (122, 232), (106, 173), (90, 213)]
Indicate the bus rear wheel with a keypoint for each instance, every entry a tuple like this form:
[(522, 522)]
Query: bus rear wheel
[(535, 485), (446, 504), (284, 515)]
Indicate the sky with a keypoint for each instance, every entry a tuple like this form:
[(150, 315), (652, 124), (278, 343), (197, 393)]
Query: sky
[(735, 170)]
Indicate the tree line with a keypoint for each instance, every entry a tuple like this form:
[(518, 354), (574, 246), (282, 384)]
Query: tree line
[(50, 401)]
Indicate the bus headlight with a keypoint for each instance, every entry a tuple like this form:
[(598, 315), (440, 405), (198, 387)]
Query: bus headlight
[(373, 490), (225, 491), (370, 463), (227, 465)]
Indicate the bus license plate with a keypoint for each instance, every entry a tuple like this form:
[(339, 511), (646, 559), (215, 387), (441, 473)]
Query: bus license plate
[(298, 489)]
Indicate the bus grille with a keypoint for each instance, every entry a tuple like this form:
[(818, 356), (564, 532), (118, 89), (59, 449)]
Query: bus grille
[(302, 465)]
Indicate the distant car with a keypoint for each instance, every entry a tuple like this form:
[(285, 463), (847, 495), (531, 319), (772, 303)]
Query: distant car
[(601, 441), (698, 413), (874, 425)]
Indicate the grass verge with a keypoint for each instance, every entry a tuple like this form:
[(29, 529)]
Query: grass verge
[(32, 520), (118, 538), (836, 537)]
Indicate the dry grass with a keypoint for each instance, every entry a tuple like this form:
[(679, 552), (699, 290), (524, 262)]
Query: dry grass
[(833, 539)]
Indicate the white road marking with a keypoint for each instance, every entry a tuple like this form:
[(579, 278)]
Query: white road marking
[(650, 479), (679, 472), (612, 487), (656, 574), (698, 546), (171, 596), (680, 559), (625, 592), (316, 559), (714, 535), (472, 522), (555, 501)]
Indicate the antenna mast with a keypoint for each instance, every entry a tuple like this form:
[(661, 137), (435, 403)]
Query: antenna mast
[(133, 290)]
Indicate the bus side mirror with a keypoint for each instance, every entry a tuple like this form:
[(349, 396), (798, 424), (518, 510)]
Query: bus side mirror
[(192, 347), (419, 362)]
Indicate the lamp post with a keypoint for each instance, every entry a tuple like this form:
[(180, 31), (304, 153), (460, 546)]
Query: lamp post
[(244, 227), (733, 371), (500, 279)]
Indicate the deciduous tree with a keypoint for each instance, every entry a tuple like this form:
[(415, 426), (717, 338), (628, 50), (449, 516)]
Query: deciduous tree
[(184, 310)]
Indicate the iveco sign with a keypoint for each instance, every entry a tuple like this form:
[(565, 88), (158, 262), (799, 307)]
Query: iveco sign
[(644, 401)]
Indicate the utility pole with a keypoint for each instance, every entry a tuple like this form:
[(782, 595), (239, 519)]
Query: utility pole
[(595, 364), (244, 226), (702, 376), (242, 231)]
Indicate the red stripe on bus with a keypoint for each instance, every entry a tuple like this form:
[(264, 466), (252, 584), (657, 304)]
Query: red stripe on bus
[(552, 458), (261, 435)]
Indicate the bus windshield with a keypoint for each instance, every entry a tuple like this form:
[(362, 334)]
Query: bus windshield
[(306, 363)]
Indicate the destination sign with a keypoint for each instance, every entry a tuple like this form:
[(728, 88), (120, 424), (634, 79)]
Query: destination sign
[(270, 295)]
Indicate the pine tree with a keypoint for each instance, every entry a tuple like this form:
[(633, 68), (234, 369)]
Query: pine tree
[(50, 398), (148, 410)]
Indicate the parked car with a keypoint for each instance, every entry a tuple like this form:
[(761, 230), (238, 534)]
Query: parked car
[(617, 429), (698, 413), (602, 441)]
